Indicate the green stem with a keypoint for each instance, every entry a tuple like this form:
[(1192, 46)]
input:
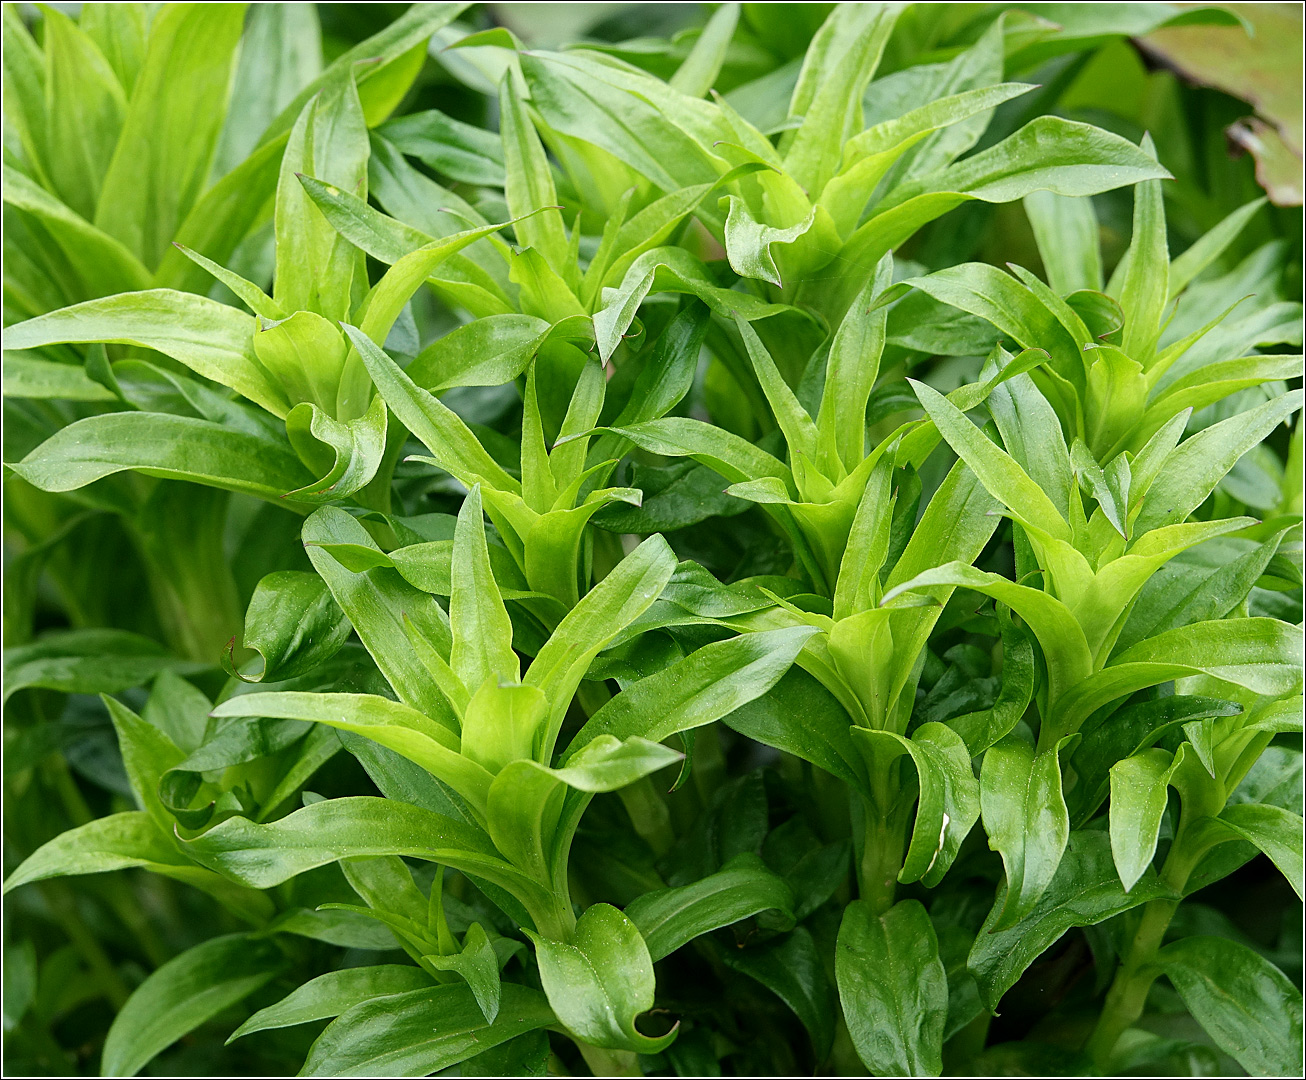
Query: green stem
[(610, 1062), (1127, 995), (883, 844)]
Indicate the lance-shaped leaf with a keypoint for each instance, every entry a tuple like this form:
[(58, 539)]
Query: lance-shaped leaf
[(421, 1031), (1260, 654), (92, 661), (478, 965), (1246, 1004), (736, 459), (1139, 789), (161, 444), (1274, 830), (104, 265), (1069, 658), (398, 624), (1026, 820), (998, 472), (792, 968), (162, 158), (608, 608), (670, 918), (1085, 891), (949, 794), (801, 717), (601, 982), (390, 723), (334, 829), (710, 683), (482, 631), (132, 839), (182, 994), (893, 988), (329, 995), (1190, 472), (210, 338), (1145, 270), (449, 440)]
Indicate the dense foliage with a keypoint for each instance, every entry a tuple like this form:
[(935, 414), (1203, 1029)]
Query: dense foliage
[(765, 542)]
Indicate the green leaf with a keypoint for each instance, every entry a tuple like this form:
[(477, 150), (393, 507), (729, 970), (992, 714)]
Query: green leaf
[(1209, 246), (997, 471), (1026, 820), (88, 662), (459, 151), (893, 988), (801, 717), (829, 92), (614, 603), (482, 631), (1191, 471), (485, 352), (421, 1031), (1258, 653), (710, 683), (1145, 270), (212, 339), (980, 730), (1275, 831), (171, 128), (1085, 891), (696, 76), (390, 723), (1243, 1002), (397, 623), (794, 971), (325, 832), (1066, 231), (949, 794), (1139, 791), (294, 624), (529, 185), (670, 918), (30, 377), (479, 967), (103, 264), (329, 995), (160, 444), (455, 448), (182, 994), (601, 983)]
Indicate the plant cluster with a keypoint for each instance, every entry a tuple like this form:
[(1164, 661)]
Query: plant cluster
[(764, 542)]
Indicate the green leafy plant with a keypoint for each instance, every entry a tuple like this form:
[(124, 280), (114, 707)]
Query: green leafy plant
[(642, 579)]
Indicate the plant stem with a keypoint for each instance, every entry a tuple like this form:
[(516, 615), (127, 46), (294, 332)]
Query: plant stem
[(881, 857), (1127, 995), (610, 1062)]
